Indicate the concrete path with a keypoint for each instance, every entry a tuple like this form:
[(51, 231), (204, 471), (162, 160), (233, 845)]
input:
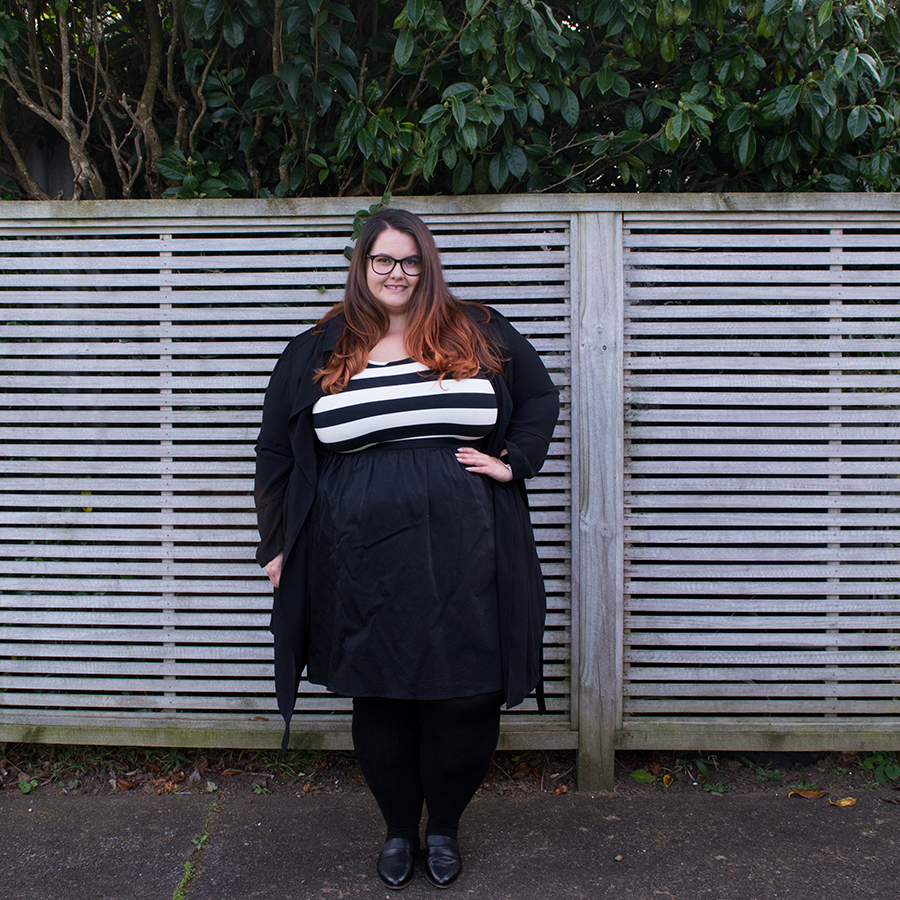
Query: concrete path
[(138, 846)]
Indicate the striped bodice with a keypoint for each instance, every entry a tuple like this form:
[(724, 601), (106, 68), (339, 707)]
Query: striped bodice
[(394, 402)]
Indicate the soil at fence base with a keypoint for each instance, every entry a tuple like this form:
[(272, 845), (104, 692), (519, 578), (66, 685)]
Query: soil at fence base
[(119, 770)]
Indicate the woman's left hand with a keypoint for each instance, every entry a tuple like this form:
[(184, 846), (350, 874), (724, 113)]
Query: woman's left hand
[(482, 464)]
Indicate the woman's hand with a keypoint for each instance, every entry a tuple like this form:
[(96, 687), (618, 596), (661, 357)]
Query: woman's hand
[(273, 569), (482, 464)]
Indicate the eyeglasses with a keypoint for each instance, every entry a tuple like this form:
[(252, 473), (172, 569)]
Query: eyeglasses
[(384, 265)]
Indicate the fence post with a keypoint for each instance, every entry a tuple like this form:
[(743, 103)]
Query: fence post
[(598, 374)]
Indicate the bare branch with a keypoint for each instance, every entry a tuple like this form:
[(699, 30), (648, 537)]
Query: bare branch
[(22, 175)]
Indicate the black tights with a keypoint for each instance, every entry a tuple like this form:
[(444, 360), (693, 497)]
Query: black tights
[(432, 751)]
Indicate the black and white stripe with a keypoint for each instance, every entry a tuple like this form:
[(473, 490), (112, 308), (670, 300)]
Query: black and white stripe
[(395, 402)]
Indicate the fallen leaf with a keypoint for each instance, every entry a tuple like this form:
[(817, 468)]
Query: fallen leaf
[(211, 787), (259, 719), (643, 776), (202, 766), (522, 770), (307, 788), (810, 795), (667, 780), (654, 768), (124, 785), (890, 799), (844, 801), (562, 789), (228, 772)]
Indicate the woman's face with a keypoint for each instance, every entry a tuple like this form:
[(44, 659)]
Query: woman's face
[(394, 290)]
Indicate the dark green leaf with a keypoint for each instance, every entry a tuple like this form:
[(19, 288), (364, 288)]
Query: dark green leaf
[(415, 11), (525, 58), (462, 176), (682, 11), (834, 125), (331, 36), (634, 118), (336, 9), (234, 180), (432, 114), (458, 108), (667, 47), (213, 12), (365, 140), (469, 136), (787, 100), (342, 76), (171, 169), (857, 122), (263, 85), (737, 118), (665, 13), (323, 95), (621, 86), (845, 61), (290, 73), (233, 30), (569, 108), (404, 48), (605, 80), (516, 161), (498, 171), (746, 148)]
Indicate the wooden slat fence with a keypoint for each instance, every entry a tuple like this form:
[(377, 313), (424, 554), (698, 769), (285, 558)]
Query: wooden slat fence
[(761, 509), (135, 355), (717, 520)]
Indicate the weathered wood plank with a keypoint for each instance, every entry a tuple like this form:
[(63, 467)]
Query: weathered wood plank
[(800, 660), (777, 693), (786, 310), (760, 622), (764, 675), (723, 400), (599, 479)]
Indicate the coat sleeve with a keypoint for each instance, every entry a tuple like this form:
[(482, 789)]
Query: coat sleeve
[(274, 462), (535, 402)]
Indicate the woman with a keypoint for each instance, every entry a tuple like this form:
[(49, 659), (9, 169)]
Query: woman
[(395, 439)]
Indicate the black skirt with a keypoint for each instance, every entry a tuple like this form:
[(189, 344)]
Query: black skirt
[(402, 575)]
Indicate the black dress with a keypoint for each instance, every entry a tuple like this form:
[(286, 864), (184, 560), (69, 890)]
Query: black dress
[(402, 559)]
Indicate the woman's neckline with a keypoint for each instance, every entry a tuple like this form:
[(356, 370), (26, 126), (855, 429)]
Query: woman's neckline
[(389, 362)]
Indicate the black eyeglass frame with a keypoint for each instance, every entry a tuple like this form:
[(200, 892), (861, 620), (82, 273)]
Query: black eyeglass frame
[(374, 256)]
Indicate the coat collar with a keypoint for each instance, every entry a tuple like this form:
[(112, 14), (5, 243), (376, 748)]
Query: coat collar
[(307, 390)]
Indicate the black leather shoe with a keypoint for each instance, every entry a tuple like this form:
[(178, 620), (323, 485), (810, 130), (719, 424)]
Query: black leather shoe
[(443, 864), (396, 862)]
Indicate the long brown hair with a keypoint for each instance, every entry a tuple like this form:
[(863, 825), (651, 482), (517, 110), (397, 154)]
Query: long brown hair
[(440, 333)]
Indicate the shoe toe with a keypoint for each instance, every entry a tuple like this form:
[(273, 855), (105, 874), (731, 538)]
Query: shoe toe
[(396, 863), (443, 863)]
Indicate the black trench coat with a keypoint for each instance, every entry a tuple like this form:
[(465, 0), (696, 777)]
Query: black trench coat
[(528, 406)]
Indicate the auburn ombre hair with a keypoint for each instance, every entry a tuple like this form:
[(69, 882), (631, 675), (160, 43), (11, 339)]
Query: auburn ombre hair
[(440, 333)]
